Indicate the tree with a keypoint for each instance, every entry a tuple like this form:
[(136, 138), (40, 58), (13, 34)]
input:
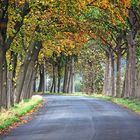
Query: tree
[(8, 30)]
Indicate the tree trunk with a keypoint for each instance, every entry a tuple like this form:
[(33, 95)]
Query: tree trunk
[(66, 78), (42, 79), (22, 74), (125, 82), (10, 79), (32, 83), (69, 80), (93, 86), (46, 81), (29, 74), (51, 90), (109, 87), (54, 78), (106, 74), (3, 78), (138, 83), (118, 77), (59, 79), (28, 77), (130, 80), (26, 70), (72, 75), (109, 80), (9, 88), (20, 80), (112, 75)]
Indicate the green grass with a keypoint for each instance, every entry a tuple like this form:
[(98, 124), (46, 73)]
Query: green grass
[(132, 104), (10, 116)]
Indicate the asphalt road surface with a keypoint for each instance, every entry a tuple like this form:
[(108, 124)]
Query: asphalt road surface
[(79, 118)]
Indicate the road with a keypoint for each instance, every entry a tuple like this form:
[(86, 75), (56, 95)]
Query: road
[(79, 118)]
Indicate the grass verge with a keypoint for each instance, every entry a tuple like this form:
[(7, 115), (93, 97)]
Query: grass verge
[(12, 115), (132, 104)]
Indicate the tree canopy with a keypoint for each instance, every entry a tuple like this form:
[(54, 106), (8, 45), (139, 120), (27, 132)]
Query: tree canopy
[(58, 36)]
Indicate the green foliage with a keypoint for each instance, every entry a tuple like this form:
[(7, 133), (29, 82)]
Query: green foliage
[(132, 104), (90, 67)]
